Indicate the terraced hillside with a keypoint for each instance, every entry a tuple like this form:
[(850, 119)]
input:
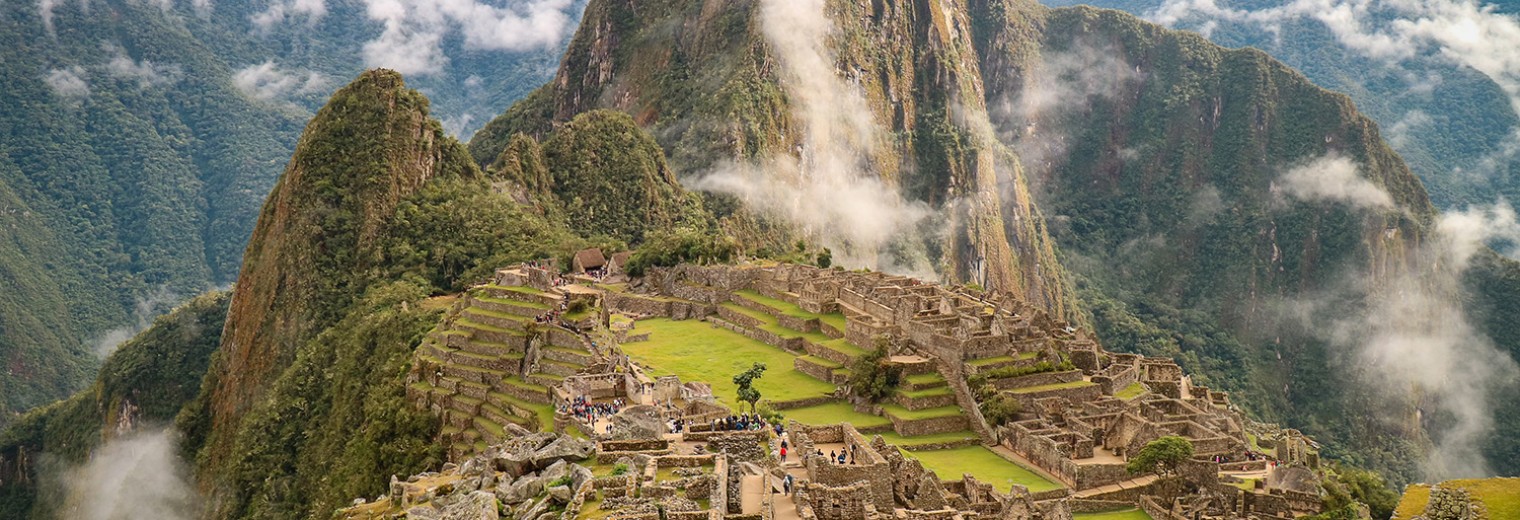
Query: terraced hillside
[(492, 362)]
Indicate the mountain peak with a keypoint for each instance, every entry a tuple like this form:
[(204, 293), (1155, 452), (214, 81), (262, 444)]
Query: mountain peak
[(371, 146)]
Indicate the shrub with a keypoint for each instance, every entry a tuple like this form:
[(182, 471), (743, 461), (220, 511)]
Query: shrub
[(871, 377), (1162, 455)]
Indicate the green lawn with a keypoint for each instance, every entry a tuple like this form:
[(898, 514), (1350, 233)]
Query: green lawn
[(1130, 392), (1057, 386), (989, 361), (698, 351), (897, 440), (904, 413), (1500, 495), (983, 464), (834, 413), (1125, 514)]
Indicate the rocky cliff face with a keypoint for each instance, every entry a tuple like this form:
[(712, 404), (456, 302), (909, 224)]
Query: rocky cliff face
[(876, 124), (316, 239)]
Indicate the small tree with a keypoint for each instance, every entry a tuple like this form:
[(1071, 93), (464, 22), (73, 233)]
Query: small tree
[(872, 377), (745, 380), (1162, 456), (1000, 408)]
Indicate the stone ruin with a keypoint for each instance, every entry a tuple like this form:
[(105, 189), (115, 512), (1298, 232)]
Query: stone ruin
[(1084, 410)]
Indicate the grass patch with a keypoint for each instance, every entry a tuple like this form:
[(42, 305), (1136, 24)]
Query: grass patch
[(822, 362), (927, 392), (897, 440), (698, 351), (1123, 514), (983, 464), (904, 413), (834, 413), (1130, 392), (1500, 495), (1247, 484), (669, 474), (1057, 386), (922, 379), (990, 361)]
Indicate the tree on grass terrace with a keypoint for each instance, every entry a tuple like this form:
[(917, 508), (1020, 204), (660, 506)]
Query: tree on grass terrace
[(872, 377), (745, 380)]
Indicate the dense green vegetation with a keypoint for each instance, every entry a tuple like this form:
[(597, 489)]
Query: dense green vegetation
[(872, 377), (148, 379), (1162, 455), (1466, 115), (669, 248), (133, 181)]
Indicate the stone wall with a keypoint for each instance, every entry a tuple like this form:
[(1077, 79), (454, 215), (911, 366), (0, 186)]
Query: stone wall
[(1074, 394), (1040, 379), (739, 446), (928, 426), (838, 503)]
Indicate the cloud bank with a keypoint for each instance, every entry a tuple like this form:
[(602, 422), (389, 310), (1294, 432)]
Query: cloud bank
[(130, 478), (829, 188), (146, 73), (68, 84), (269, 83), (414, 30), (1413, 341), (1336, 179), (279, 11)]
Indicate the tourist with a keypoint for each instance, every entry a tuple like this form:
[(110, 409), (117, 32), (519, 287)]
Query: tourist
[(786, 485), (832, 456), (841, 457)]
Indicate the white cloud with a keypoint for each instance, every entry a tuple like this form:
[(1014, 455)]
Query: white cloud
[(68, 84), (268, 82), (145, 73), (414, 29), (828, 188), (1336, 179), (281, 10), (131, 477), (1464, 32), (1399, 133)]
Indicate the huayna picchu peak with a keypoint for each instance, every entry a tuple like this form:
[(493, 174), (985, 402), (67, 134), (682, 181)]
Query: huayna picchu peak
[(804, 259)]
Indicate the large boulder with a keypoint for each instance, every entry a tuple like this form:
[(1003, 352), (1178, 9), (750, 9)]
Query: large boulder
[(514, 464), (521, 490), (561, 494), (477, 505), (638, 422), (565, 448)]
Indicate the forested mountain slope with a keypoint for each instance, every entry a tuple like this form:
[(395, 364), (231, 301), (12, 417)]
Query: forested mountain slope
[(141, 139), (1454, 124)]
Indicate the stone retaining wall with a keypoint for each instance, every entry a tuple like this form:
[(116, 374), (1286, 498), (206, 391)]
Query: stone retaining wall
[(1074, 394), (1040, 379), (928, 426)]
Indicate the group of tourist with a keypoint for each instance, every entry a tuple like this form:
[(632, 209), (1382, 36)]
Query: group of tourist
[(588, 411), (739, 422), (553, 315)]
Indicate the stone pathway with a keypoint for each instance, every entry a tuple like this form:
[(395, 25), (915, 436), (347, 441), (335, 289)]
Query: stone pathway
[(751, 492), (1128, 484)]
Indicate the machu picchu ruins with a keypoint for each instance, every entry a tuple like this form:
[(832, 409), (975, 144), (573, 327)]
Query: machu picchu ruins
[(633, 375)]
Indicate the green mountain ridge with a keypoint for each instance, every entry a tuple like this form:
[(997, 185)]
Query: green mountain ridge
[(142, 139)]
